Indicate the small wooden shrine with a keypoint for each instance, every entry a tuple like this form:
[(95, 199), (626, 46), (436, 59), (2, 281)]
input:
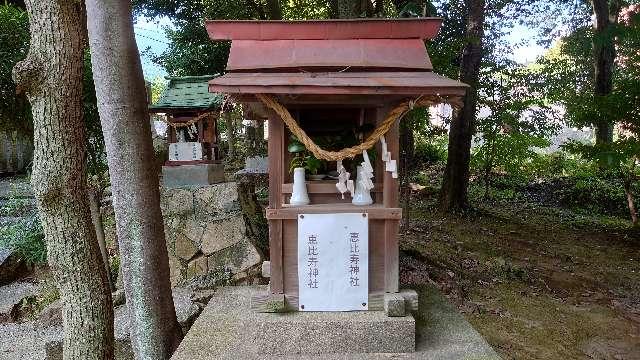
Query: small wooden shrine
[(191, 114), (333, 91)]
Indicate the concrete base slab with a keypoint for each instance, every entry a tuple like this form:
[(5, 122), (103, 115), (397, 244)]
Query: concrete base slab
[(192, 175), (227, 329)]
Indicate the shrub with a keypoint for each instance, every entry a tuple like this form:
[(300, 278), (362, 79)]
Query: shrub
[(26, 238), (24, 235), (431, 150)]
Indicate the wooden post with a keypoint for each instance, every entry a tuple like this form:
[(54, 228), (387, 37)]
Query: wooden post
[(276, 172), (390, 200)]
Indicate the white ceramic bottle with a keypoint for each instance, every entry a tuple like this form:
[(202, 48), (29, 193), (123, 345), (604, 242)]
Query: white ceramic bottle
[(299, 196), (362, 195)]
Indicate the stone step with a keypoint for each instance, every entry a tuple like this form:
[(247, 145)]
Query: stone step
[(333, 333), (228, 329)]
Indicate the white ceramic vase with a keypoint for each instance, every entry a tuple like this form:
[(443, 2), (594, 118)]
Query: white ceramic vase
[(362, 195), (299, 196)]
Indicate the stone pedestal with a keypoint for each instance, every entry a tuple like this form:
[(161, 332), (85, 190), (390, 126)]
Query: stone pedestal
[(228, 329), (192, 175)]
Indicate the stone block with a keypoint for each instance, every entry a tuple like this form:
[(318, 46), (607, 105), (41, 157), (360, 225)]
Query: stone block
[(197, 266), (11, 267), (216, 200), (175, 271), (193, 229), (266, 269), (410, 299), (394, 305), (185, 249), (176, 202), (221, 234), (192, 175), (235, 259), (186, 311), (11, 296)]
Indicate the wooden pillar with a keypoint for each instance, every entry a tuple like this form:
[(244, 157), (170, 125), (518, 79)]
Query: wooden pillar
[(390, 200), (276, 171)]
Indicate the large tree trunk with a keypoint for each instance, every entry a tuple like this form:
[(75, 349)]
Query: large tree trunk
[(51, 75), (122, 104), (630, 203), (231, 134), (604, 54), (95, 195), (453, 195)]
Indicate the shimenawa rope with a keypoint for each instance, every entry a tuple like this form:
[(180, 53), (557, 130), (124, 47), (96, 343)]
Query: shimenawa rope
[(394, 115), (188, 123)]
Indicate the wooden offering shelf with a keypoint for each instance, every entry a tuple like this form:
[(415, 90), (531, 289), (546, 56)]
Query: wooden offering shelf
[(324, 187), (374, 211)]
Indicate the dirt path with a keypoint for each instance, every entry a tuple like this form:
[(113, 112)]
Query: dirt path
[(538, 283)]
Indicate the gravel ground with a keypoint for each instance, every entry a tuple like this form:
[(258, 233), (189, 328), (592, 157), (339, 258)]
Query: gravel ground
[(23, 341)]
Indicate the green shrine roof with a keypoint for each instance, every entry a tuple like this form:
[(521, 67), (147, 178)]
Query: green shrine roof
[(187, 93)]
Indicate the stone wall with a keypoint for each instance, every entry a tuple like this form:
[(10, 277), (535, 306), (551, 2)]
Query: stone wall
[(207, 236)]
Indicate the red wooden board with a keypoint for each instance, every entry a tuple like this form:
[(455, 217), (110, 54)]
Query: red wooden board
[(365, 53), (408, 83), (422, 28)]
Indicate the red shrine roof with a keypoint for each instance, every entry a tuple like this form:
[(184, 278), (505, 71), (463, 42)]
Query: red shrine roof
[(372, 56)]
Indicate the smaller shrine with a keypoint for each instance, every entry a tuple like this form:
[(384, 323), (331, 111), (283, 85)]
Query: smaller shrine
[(192, 114)]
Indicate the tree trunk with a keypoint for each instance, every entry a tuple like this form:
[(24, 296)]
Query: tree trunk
[(630, 203), (231, 134), (122, 104), (51, 76), (604, 54), (257, 226), (453, 195), (96, 219)]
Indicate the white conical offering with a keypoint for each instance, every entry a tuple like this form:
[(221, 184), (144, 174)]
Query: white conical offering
[(299, 195), (362, 194)]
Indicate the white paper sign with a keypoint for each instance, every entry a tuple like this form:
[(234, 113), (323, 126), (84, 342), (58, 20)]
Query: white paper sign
[(333, 262), (185, 151)]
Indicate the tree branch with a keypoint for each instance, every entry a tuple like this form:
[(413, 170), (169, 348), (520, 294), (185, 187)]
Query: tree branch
[(27, 74)]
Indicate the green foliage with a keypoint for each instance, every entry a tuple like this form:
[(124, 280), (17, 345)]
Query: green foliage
[(190, 51), (24, 235), (114, 267), (567, 75), (158, 85), (518, 122), (31, 307), (620, 155), (302, 157), (97, 167), (26, 238), (305, 9), (431, 149), (15, 113), (602, 194), (620, 159)]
